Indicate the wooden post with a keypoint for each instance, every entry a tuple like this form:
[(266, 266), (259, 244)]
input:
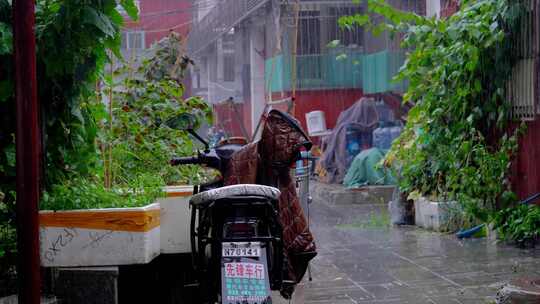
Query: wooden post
[(28, 143)]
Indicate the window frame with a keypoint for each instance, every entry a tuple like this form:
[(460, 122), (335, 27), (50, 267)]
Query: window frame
[(128, 37)]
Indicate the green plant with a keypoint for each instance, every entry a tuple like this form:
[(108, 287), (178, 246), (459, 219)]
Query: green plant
[(134, 136), (144, 100), (72, 39), (455, 144), (91, 193), (8, 247), (520, 224), (7, 230)]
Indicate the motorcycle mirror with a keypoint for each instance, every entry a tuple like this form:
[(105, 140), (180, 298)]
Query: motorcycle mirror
[(187, 122)]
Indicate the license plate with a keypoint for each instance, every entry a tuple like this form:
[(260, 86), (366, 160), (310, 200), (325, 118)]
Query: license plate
[(241, 249)]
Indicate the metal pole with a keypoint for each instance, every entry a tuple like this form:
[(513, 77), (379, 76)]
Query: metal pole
[(28, 144)]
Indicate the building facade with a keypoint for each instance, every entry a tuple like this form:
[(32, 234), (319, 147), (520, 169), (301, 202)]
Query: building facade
[(156, 19), (258, 52)]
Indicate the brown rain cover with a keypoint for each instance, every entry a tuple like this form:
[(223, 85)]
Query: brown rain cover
[(268, 162)]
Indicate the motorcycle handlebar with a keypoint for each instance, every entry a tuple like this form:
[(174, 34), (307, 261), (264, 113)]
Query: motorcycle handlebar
[(185, 160)]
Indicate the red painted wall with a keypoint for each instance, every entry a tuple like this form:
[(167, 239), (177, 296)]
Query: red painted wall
[(158, 17), (230, 119), (449, 7), (331, 102), (526, 166)]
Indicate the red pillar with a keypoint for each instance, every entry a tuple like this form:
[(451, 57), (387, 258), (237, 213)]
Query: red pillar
[(28, 144)]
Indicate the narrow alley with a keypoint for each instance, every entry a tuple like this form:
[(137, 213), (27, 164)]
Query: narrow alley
[(362, 259), (212, 151)]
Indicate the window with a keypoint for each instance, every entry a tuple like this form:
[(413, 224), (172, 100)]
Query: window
[(228, 67), (522, 87), (228, 55), (309, 33), (308, 60), (412, 6), (132, 40)]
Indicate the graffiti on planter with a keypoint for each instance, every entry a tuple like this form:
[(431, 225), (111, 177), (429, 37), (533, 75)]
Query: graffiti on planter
[(64, 238), (96, 238)]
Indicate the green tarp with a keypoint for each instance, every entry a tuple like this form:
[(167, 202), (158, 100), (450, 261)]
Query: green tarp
[(364, 170)]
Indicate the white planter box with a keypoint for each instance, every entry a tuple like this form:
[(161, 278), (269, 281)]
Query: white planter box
[(98, 237), (116, 236), (434, 215), (175, 220)]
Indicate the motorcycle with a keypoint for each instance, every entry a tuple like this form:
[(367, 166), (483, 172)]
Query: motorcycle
[(235, 231)]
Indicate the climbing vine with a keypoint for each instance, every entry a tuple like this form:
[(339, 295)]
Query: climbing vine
[(455, 144)]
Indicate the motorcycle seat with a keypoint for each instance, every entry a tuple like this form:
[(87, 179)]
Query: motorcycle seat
[(207, 197)]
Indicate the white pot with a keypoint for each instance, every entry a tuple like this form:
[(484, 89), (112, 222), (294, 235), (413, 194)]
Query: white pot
[(434, 215)]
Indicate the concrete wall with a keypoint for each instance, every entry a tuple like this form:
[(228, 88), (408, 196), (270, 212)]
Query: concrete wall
[(433, 8), (257, 68), (203, 7)]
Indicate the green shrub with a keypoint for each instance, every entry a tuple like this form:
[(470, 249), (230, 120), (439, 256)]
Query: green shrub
[(520, 224), (90, 193), (7, 228), (456, 144), (146, 94), (8, 247)]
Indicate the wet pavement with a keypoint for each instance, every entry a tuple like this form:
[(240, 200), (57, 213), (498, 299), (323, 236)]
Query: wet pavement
[(362, 259)]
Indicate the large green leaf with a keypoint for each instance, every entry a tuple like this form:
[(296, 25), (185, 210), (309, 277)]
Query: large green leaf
[(10, 155), (96, 18), (6, 90), (6, 39), (131, 9)]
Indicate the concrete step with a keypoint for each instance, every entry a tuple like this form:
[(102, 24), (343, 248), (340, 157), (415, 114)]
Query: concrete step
[(14, 300), (338, 194)]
